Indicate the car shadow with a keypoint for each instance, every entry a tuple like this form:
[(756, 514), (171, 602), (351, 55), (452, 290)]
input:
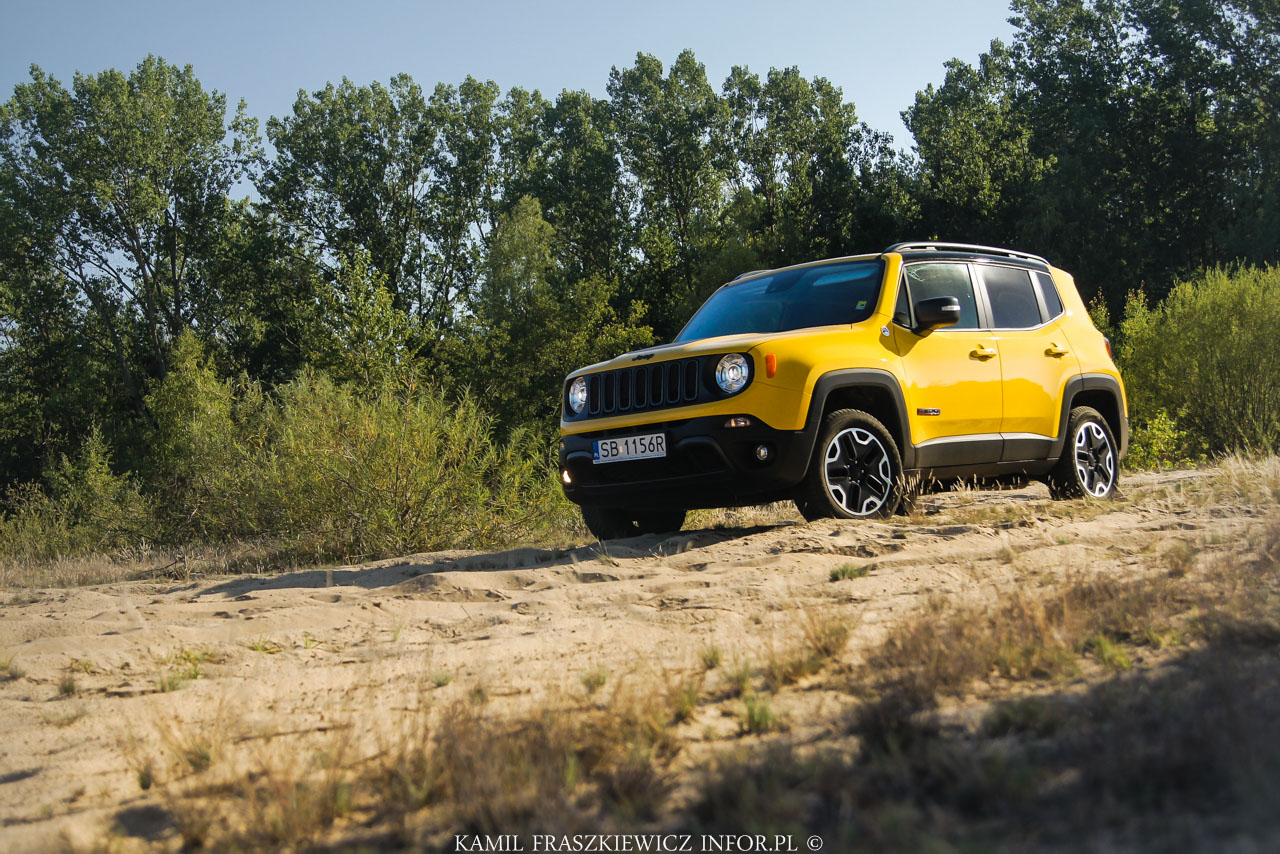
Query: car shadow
[(389, 573)]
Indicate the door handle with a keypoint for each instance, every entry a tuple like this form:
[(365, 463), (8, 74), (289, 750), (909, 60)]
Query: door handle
[(981, 352), (1054, 350)]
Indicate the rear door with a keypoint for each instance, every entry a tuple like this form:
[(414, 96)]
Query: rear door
[(1036, 359)]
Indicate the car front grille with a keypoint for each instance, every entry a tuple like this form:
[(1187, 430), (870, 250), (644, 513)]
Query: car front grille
[(642, 388)]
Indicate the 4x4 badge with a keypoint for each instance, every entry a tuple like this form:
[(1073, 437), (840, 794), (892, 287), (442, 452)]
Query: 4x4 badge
[(928, 412)]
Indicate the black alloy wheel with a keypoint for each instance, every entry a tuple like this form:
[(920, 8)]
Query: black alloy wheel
[(855, 473), (1089, 466)]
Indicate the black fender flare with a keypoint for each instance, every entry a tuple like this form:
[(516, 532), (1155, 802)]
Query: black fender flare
[(1091, 382), (860, 378)]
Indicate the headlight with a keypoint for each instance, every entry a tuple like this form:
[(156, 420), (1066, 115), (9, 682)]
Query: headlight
[(578, 395), (732, 373)]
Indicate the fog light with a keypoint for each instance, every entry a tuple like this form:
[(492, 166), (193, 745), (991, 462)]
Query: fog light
[(763, 453), (564, 476), (738, 421)]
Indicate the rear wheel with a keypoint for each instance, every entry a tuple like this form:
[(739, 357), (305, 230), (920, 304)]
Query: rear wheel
[(614, 523), (855, 473), (1089, 466)]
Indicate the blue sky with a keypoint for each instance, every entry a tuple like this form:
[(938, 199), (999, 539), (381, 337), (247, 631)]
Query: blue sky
[(879, 53)]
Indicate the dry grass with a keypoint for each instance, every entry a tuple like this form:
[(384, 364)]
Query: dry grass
[(1028, 635), (447, 771), (1133, 746), (1185, 759), (737, 678), (264, 645), (1095, 713), (710, 656), (66, 718), (744, 517), (142, 563), (1179, 754), (757, 715), (176, 680), (683, 696), (10, 668), (823, 636), (847, 571), (593, 680)]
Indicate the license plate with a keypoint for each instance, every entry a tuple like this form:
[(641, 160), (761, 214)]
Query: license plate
[(645, 447)]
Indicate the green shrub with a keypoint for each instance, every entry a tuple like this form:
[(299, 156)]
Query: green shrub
[(83, 508), (323, 469), (1157, 443), (1206, 357), (315, 470), (192, 444), (397, 471)]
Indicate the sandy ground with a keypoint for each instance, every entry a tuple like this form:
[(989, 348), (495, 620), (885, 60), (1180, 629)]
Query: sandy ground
[(349, 649)]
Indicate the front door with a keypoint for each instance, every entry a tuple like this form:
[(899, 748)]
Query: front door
[(953, 386)]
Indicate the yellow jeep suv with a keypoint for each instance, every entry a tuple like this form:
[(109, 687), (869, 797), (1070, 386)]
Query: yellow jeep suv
[(846, 385)]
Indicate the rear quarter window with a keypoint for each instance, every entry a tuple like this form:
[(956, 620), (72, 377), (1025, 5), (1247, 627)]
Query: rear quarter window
[(1049, 290)]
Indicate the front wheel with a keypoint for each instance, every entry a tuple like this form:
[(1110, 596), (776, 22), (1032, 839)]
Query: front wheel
[(614, 523), (855, 473), (1089, 466)]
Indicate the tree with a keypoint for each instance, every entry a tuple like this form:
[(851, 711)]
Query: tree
[(974, 147), (583, 189), (809, 179), (121, 183), (529, 325), (671, 132), (111, 194), (358, 334), (354, 171), (53, 385), (1135, 140), (414, 182)]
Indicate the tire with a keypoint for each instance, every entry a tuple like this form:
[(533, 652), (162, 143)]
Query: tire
[(613, 523), (1089, 466), (855, 472)]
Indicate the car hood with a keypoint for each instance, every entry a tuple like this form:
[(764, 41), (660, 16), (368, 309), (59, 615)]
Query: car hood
[(682, 350)]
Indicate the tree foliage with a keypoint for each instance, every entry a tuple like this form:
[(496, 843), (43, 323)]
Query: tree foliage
[(530, 324), (1204, 357), (170, 292), (1133, 139), (118, 186)]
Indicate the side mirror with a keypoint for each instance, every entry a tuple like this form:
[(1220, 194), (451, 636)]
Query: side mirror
[(939, 311)]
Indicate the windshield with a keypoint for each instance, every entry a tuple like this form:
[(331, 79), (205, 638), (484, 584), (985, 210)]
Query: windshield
[(823, 295)]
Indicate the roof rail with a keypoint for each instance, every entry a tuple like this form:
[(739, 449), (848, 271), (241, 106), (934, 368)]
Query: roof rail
[(966, 247), (749, 273)]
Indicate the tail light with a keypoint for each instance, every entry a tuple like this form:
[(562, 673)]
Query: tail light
[(1108, 343)]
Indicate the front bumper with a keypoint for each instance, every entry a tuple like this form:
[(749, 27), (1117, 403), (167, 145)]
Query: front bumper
[(707, 465)]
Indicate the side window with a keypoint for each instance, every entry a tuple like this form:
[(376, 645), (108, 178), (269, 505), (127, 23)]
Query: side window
[(1012, 297), (927, 281), (1052, 301)]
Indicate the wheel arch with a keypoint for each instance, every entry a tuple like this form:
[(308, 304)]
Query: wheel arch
[(873, 391), (1101, 392)]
